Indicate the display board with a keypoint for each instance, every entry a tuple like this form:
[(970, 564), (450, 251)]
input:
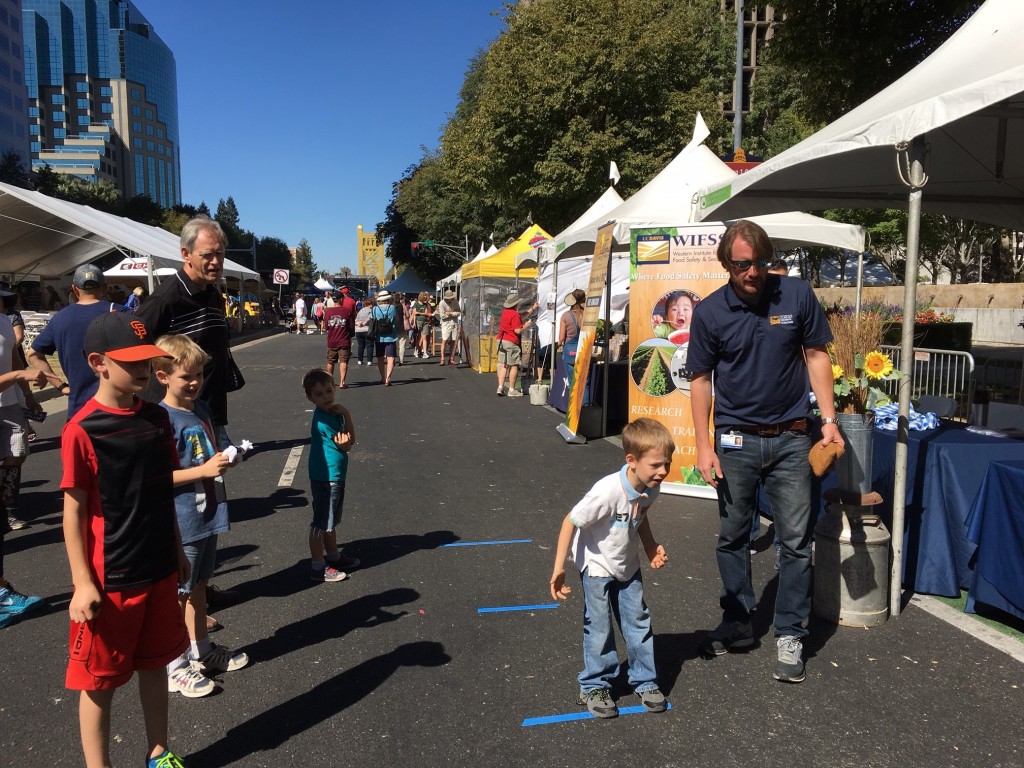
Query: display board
[(672, 269)]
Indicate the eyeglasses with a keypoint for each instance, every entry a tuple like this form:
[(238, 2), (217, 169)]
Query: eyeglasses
[(745, 264)]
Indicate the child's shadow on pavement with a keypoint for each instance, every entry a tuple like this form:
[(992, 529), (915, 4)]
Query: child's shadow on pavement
[(273, 727)]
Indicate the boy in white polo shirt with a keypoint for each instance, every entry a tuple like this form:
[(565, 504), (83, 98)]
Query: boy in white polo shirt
[(606, 530)]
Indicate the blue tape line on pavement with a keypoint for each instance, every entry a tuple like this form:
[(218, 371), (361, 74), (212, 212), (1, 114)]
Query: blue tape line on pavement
[(579, 716), (486, 543), (499, 609)]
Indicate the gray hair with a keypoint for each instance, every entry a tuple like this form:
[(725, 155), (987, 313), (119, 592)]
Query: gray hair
[(191, 231)]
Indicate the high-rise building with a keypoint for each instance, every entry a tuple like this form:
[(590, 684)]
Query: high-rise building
[(13, 121), (102, 96)]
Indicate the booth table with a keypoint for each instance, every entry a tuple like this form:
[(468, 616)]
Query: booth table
[(995, 525), (945, 470)]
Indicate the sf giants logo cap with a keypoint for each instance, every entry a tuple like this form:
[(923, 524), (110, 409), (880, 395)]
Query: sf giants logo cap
[(120, 337)]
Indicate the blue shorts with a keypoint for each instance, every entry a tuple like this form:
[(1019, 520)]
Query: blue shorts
[(384, 349), (328, 498), (202, 556)]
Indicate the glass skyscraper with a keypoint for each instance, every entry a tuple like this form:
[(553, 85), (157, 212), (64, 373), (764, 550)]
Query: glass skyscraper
[(13, 121), (102, 96)]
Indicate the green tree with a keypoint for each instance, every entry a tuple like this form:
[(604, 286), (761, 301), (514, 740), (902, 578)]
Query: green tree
[(839, 54), (12, 170), (228, 217), (142, 208), (567, 87), (304, 267), (272, 253)]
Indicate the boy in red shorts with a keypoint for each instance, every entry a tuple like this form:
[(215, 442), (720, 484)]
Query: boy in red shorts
[(122, 539)]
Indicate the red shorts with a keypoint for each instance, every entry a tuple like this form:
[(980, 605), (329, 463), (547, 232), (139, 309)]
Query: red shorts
[(137, 629)]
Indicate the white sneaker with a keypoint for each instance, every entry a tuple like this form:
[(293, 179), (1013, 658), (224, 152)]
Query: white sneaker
[(415, 354), (190, 683), (514, 393)]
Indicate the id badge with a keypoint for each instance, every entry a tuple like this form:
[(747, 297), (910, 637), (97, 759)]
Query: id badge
[(732, 441)]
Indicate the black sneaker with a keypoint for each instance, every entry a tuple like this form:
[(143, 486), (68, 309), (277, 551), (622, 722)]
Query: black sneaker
[(599, 703), (789, 663), (653, 700), (728, 636)]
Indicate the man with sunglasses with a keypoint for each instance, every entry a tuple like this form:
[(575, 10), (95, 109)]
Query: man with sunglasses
[(761, 340)]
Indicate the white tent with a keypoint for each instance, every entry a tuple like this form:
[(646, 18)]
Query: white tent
[(947, 137), (137, 269), (670, 198), (966, 100), (41, 235), (324, 284)]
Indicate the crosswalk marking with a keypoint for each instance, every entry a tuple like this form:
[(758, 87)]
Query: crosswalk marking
[(290, 465)]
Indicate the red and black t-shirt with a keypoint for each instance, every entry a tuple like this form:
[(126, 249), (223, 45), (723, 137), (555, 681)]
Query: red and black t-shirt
[(124, 460)]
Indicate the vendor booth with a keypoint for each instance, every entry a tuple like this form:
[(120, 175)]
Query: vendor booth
[(485, 285)]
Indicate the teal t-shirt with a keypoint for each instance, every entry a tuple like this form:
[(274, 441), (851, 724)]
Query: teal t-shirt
[(327, 462)]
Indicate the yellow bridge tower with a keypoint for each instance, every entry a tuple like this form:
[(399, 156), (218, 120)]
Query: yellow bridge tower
[(371, 254)]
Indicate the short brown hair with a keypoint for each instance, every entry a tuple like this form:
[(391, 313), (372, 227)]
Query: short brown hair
[(645, 435), (186, 353), (750, 233), (314, 377)]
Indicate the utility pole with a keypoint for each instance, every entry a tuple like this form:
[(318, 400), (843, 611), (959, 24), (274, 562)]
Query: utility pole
[(737, 99)]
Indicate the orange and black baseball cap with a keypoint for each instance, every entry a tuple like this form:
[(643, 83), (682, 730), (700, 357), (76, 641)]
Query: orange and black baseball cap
[(121, 337)]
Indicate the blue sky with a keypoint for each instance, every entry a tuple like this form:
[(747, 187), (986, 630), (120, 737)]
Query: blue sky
[(307, 111)]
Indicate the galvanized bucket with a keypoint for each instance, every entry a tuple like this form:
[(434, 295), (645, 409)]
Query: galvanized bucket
[(853, 468)]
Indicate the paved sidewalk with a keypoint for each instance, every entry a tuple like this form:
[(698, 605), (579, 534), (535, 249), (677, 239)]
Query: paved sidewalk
[(398, 665)]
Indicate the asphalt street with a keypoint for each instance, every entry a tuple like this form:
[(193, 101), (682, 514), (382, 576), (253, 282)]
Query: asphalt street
[(399, 665)]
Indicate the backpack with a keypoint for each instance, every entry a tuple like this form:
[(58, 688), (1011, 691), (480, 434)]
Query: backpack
[(383, 325)]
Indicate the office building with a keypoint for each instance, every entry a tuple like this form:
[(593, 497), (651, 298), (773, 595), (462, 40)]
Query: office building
[(13, 120), (102, 96)]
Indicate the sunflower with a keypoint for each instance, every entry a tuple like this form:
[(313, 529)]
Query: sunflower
[(837, 372), (877, 365)]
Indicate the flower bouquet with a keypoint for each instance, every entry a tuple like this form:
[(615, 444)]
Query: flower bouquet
[(858, 364)]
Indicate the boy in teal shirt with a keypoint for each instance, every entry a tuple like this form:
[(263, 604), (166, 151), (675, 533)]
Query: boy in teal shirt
[(331, 436)]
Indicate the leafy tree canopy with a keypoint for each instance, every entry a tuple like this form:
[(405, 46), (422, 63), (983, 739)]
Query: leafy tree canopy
[(569, 86)]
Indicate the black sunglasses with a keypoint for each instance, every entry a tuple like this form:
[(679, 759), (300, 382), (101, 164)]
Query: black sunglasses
[(745, 264)]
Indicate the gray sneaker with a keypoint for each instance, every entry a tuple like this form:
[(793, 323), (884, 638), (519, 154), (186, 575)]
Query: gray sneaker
[(789, 665), (514, 393), (728, 636), (599, 703), (653, 700)]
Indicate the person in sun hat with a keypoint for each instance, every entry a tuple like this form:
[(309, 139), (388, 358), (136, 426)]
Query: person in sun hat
[(385, 321), (448, 311), (510, 352), (122, 538)]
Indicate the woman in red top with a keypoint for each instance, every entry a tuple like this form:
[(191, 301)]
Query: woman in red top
[(510, 355)]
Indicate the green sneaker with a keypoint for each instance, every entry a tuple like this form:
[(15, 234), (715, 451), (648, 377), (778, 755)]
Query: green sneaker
[(166, 759)]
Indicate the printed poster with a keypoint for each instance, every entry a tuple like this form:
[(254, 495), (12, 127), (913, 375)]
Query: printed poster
[(672, 269)]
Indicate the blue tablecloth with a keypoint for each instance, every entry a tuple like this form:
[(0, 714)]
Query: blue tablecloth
[(996, 525), (945, 468)]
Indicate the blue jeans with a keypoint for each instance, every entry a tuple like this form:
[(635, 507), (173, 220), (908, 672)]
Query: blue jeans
[(781, 463), (604, 597)]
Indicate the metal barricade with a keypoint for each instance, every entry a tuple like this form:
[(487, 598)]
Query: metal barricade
[(938, 372), (1003, 378)]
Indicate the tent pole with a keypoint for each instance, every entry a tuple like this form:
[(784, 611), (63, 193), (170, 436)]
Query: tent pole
[(915, 178), (552, 344)]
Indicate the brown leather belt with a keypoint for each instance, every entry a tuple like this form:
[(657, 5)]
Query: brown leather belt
[(774, 430)]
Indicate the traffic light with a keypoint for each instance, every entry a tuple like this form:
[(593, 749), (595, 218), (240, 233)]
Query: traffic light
[(415, 250)]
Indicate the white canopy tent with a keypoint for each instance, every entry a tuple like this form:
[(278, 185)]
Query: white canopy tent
[(137, 269), (456, 276), (670, 198), (41, 235), (952, 127)]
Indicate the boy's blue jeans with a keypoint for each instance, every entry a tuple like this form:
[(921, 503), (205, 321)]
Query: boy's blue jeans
[(603, 598), (782, 463)]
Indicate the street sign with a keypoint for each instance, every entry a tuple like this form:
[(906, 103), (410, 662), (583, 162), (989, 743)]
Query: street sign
[(281, 277)]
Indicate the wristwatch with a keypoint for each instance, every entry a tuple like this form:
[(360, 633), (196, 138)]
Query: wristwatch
[(829, 420)]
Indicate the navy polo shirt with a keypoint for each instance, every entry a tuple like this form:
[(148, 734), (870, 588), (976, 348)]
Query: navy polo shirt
[(756, 351)]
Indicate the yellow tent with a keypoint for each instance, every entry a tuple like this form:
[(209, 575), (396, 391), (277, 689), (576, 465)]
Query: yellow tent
[(503, 263), (485, 285)]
